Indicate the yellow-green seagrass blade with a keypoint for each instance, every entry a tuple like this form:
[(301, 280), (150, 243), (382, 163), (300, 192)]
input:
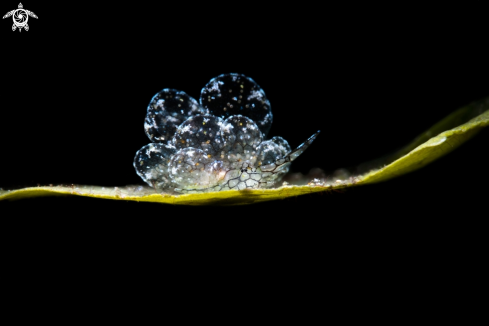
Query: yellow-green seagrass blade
[(439, 140)]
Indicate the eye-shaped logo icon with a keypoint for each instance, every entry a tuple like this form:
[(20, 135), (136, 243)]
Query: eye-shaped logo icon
[(20, 17)]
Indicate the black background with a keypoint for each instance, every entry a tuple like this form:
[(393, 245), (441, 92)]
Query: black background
[(75, 94), (75, 88)]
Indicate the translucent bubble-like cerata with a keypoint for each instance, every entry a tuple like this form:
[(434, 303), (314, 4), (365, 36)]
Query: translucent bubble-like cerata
[(216, 145)]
